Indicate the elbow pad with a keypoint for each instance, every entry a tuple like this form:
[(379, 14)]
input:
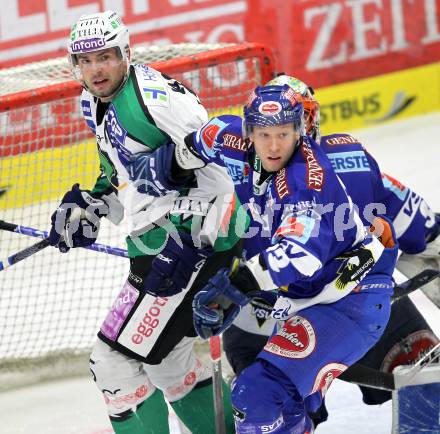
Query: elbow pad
[(187, 156)]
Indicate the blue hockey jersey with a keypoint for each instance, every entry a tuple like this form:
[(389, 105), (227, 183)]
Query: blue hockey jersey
[(376, 193), (302, 222)]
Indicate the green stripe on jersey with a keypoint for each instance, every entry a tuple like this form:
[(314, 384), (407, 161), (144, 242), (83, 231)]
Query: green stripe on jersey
[(133, 118)]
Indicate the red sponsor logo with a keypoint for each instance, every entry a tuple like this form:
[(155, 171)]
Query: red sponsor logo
[(130, 398), (326, 375), (234, 142), (292, 227), (395, 182), (295, 340), (269, 108), (342, 140), (409, 350), (40, 29), (209, 134), (190, 378), (141, 391), (150, 321), (335, 41), (281, 185), (315, 173)]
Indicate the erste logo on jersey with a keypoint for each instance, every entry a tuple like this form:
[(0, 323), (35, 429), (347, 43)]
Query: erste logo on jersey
[(270, 108), (295, 340), (238, 170), (353, 161), (326, 375), (315, 173)]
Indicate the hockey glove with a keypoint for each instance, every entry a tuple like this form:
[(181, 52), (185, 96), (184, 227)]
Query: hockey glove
[(76, 221), (172, 269), (157, 173), (216, 306)]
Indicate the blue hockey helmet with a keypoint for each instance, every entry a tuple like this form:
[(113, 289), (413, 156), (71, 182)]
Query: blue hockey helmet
[(273, 105)]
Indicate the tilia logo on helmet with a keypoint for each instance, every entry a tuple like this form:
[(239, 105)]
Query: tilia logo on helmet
[(88, 45)]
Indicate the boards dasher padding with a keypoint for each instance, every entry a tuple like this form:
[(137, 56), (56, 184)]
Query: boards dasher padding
[(416, 407)]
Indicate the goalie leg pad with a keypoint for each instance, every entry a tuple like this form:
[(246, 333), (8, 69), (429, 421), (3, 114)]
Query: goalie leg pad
[(406, 338), (409, 350)]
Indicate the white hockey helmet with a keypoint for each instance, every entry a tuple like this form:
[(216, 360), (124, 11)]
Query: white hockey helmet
[(97, 32)]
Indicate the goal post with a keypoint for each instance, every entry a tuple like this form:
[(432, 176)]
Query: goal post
[(52, 304)]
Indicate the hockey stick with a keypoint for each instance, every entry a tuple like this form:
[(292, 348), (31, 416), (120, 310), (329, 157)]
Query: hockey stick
[(416, 282), (217, 380), (369, 377), (25, 230), (23, 254)]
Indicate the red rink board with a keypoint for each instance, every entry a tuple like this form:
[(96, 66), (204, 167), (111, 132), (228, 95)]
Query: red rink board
[(322, 41)]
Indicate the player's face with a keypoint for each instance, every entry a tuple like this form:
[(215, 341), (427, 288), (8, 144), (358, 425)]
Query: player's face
[(102, 71), (274, 145)]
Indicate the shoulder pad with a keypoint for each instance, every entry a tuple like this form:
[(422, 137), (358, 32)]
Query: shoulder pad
[(232, 134), (218, 131), (152, 86)]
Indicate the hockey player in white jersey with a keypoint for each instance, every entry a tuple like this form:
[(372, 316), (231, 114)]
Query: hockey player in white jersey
[(145, 345)]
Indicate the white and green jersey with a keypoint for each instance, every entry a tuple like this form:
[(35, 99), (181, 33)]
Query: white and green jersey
[(151, 110)]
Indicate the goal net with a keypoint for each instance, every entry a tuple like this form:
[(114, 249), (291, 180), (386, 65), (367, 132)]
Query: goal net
[(52, 304)]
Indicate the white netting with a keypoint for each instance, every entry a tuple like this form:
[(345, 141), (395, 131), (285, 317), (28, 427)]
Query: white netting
[(51, 305), (40, 74)]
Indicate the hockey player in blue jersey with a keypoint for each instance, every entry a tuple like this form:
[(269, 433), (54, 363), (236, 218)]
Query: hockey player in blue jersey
[(306, 239), (407, 336)]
